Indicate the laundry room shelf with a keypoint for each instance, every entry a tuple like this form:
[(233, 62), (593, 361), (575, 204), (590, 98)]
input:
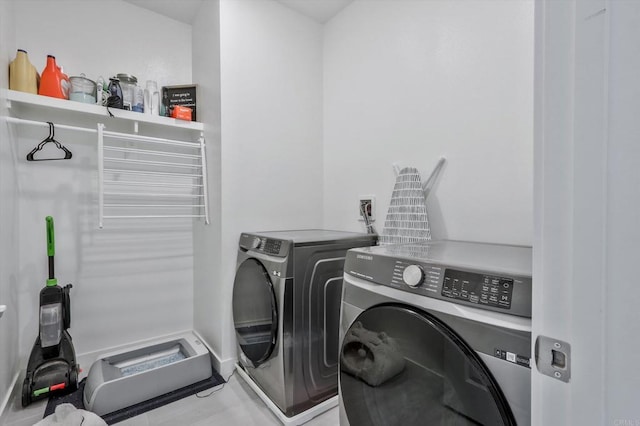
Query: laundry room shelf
[(47, 103), (140, 176)]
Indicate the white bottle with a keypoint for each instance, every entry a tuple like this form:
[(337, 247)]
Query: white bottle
[(151, 98)]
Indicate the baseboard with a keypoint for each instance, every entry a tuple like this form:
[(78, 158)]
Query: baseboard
[(224, 367), (11, 389)]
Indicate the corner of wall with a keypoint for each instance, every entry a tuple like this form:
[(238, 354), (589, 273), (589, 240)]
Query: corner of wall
[(9, 359), (211, 304)]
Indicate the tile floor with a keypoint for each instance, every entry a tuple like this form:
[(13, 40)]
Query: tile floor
[(234, 404)]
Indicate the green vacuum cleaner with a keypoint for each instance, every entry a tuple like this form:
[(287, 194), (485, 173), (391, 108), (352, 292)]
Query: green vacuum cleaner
[(52, 367)]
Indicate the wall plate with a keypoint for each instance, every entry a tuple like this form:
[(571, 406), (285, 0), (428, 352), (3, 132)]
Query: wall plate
[(367, 200)]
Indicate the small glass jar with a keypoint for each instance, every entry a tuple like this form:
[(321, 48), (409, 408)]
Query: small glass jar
[(82, 89), (128, 83)]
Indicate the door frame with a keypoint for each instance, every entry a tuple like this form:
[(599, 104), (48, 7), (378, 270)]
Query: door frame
[(571, 244)]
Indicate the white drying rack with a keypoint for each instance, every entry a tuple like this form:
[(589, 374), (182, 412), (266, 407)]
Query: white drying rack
[(141, 186), (135, 181)]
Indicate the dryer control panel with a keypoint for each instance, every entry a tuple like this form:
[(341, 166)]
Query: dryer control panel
[(265, 245)]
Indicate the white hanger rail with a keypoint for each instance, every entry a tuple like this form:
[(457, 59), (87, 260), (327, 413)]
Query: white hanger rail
[(148, 174)]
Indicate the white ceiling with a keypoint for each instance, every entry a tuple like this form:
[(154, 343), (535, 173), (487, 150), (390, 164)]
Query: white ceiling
[(318, 10), (185, 10), (180, 10)]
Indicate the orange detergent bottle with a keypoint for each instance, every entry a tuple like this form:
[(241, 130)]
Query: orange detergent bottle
[(54, 82)]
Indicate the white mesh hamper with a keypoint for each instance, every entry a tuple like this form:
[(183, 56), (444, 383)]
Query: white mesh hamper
[(407, 220)]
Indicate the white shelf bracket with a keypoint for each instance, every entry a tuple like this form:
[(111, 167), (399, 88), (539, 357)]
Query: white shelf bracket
[(100, 175), (205, 190), (135, 127)]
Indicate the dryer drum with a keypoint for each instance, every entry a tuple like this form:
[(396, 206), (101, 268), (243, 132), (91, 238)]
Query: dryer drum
[(255, 312), (443, 380)]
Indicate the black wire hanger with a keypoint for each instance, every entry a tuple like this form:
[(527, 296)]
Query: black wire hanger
[(50, 138)]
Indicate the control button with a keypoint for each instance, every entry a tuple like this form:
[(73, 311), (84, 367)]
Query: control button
[(413, 275)]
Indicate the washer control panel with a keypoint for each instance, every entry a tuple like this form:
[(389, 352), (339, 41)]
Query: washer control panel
[(480, 289), (486, 288)]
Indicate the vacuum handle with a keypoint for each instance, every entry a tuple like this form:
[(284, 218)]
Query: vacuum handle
[(51, 244), (51, 249)]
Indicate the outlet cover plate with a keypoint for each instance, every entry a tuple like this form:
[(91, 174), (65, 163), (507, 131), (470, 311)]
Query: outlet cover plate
[(367, 199)]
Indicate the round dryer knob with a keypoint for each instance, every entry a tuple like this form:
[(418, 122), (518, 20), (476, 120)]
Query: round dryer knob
[(256, 243), (413, 275)]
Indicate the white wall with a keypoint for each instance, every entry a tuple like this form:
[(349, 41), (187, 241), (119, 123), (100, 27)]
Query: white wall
[(209, 308), (271, 155), (104, 38), (8, 219), (410, 81), (132, 280)]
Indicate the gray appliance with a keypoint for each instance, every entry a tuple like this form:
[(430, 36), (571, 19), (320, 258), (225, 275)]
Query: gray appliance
[(436, 333), (127, 377), (286, 312)]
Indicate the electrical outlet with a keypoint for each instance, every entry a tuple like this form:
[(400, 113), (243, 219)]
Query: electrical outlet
[(368, 204)]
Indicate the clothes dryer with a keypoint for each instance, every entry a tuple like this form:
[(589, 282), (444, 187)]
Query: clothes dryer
[(436, 333), (286, 312)]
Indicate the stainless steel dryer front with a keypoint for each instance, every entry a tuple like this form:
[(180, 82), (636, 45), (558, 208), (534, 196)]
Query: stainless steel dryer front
[(286, 312), (436, 333)]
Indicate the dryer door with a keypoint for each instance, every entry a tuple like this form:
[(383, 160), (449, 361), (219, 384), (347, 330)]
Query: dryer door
[(255, 312), (402, 366)]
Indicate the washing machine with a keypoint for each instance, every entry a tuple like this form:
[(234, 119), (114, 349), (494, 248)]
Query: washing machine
[(286, 313), (436, 334)]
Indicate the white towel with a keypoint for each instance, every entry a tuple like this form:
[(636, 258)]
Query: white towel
[(68, 415)]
